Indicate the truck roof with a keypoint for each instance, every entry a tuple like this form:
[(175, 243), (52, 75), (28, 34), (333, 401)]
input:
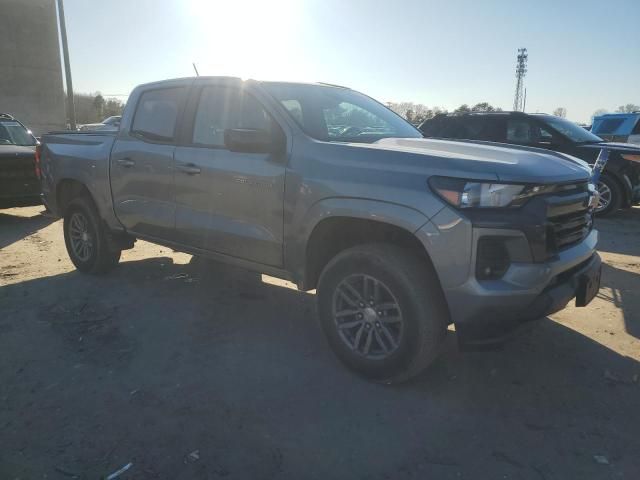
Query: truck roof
[(171, 81), (494, 113)]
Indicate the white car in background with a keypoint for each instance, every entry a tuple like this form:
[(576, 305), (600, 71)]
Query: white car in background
[(108, 124)]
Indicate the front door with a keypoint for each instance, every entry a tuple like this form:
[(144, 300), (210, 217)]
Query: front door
[(142, 165), (229, 202)]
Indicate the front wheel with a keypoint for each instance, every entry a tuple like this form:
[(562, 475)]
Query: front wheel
[(610, 196), (86, 238), (382, 311)]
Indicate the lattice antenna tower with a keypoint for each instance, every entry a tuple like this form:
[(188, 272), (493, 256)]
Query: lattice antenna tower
[(521, 71)]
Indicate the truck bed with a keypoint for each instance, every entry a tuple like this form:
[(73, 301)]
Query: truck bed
[(77, 156)]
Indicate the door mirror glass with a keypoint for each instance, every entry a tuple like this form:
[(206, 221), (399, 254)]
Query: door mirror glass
[(249, 140)]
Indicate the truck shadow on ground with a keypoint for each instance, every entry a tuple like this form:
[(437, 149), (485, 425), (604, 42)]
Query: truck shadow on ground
[(14, 228), (156, 360), (620, 235)]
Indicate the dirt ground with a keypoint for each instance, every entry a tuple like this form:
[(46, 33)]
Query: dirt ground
[(187, 369)]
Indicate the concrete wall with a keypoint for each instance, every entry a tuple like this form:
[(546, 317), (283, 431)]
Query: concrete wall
[(31, 86)]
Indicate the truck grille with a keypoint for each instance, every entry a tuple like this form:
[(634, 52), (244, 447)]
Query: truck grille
[(570, 229), (569, 219)]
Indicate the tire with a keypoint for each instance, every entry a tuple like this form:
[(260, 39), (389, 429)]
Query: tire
[(403, 279), (84, 227), (610, 196)]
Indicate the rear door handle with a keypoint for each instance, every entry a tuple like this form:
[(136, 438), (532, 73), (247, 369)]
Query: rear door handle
[(125, 162), (189, 168)]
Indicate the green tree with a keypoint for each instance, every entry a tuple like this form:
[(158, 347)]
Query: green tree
[(464, 108), (98, 105), (113, 107), (483, 107)]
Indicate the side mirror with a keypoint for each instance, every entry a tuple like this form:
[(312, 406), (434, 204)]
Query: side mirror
[(252, 141)]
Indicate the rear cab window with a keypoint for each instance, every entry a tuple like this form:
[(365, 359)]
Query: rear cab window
[(157, 113)]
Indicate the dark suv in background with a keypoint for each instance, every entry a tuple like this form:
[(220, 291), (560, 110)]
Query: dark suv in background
[(19, 183), (619, 185)]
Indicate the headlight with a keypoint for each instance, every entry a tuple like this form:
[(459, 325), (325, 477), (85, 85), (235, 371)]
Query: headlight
[(463, 193)]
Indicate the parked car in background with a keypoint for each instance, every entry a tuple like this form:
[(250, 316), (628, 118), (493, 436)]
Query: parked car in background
[(108, 124), (19, 183), (619, 184), (326, 187), (618, 127)]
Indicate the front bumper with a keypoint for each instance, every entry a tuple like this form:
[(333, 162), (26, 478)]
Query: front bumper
[(486, 311), (494, 315)]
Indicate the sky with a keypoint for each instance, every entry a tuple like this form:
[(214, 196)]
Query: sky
[(583, 55)]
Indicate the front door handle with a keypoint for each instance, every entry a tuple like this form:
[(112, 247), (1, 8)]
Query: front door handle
[(125, 162), (189, 168)]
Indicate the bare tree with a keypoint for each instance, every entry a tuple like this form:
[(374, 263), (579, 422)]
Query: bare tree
[(628, 108), (560, 112)]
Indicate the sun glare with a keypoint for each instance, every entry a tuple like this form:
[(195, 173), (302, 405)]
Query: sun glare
[(250, 38)]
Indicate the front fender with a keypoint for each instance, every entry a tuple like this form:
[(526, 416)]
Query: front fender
[(401, 216)]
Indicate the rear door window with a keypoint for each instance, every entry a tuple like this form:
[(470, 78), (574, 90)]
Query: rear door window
[(157, 113)]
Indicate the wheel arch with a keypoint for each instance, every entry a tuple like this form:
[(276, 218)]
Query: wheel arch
[(625, 190), (67, 190), (338, 224)]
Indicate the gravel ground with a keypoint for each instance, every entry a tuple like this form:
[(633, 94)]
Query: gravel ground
[(189, 369)]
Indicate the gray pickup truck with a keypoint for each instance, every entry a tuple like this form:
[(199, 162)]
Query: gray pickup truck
[(321, 185)]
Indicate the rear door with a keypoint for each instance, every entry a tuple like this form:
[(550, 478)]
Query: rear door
[(142, 164), (229, 202)]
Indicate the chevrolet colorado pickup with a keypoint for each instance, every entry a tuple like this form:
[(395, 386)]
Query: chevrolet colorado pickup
[(321, 185)]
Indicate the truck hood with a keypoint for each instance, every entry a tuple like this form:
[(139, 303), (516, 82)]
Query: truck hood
[(507, 163)]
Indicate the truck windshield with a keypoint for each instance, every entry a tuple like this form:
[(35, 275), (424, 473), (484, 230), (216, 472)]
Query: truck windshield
[(13, 133), (338, 114), (572, 131)]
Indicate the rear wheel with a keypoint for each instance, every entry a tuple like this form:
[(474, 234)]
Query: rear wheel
[(382, 311), (610, 196), (86, 238)]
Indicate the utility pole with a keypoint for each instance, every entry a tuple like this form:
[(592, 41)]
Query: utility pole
[(521, 71), (71, 110)]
